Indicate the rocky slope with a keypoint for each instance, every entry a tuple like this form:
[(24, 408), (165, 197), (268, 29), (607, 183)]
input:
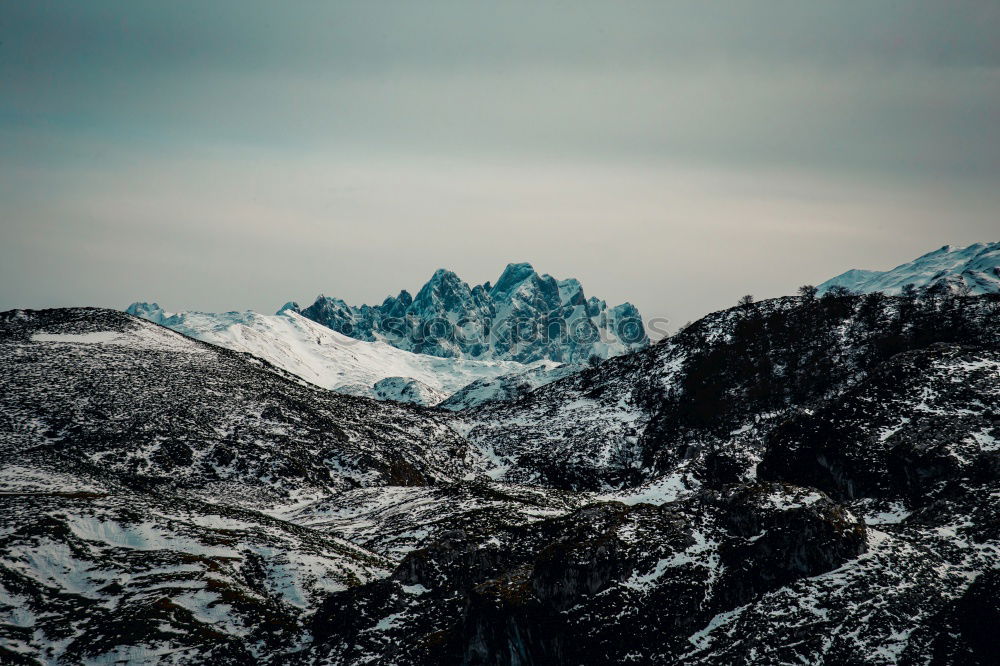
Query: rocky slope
[(507, 387), (698, 405), (608, 583), (106, 575), (794, 481), (842, 509), (159, 493), (107, 393), (524, 317)]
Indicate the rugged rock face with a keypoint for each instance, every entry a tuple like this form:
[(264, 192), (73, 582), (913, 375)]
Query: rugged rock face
[(524, 317), (964, 632), (698, 405), (886, 403), (606, 584), (922, 418)]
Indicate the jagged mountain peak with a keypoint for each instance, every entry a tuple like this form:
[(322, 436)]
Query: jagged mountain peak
[(513, 275), (444, 289), (441, 277), (450, 318)]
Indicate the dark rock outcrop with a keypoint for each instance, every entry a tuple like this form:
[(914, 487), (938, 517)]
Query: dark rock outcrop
[(609, 583)]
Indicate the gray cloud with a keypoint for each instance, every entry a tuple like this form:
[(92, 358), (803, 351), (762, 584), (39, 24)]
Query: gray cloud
[(231, 155)]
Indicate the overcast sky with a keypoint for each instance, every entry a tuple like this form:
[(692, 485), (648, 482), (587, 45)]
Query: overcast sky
[(234, 155)]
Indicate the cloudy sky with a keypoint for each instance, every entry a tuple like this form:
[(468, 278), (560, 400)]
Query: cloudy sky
[(233, 155)]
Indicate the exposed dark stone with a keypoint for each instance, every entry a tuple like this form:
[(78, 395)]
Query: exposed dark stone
[(532, 594)]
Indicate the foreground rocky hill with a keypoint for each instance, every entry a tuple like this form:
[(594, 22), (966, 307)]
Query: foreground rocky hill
[(698, 406), (608, 583), (112, 394), (168, 501), (795, 481)]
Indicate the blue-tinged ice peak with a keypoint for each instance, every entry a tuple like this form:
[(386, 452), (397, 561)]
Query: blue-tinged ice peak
[(141, 308), (511, 278), (523, 316), (444, 292), (290, 306)]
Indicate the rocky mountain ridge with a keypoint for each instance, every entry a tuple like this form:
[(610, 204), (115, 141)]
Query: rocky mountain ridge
[(524, 317)]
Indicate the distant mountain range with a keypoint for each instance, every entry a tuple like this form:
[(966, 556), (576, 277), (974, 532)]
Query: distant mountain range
[(524, 317), (458, 346), (496, 341), (975, 268)]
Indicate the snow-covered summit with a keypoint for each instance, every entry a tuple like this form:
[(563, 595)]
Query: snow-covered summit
[(974, 267), (333, 360), (523, 317)]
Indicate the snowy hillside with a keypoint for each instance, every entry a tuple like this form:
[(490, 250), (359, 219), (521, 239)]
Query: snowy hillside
[(335, 361), (507, 387), (795, 481), (524, 317), (976, 268), (135, 464), (181, 413)]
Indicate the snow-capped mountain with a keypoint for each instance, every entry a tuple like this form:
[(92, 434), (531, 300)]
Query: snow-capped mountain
[(524, 317), (975, 268), (800, 480), (335, 361)]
